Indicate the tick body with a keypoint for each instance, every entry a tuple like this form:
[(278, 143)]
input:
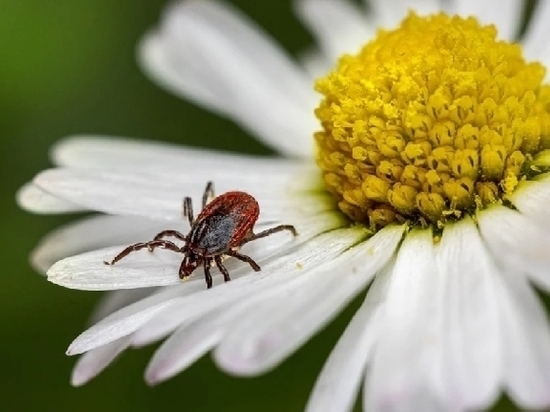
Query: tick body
[(222, 227)]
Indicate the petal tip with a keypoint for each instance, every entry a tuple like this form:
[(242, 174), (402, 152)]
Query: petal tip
[(238, 365), (79, 379), (72, 350), (59, 275), (155, 375)]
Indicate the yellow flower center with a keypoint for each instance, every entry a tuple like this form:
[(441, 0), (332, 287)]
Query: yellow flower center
[(429, 122)]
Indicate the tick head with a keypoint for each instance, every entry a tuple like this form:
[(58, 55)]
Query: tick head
[(190, 262)]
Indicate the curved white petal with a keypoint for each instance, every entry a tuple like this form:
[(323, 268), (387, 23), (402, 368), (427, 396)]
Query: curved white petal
[(185, 346), (535, 40), (139, 270), (407, 360), (526, 339), (517, 242), (506, 15), (192, 299), (94, 362), (124, 321), (92, 233), (166, 322), (338, 25), (160, 268), (211, 53), (110, 302), (160, 196), (33, 199), (531, 198), (244, 297), (338, 384), (471, 339), (389, 13), (180, 75), (144, 156), (279, 321), (220, 311)]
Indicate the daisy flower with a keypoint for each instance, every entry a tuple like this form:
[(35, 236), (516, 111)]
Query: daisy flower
[(416, 166)]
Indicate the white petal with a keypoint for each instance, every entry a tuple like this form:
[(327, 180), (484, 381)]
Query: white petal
[(517, 242), (506, 15), (390, 12), (532, 198), (471, 339), (180, 75), (140, 270), (124, 321), (166, 322), (152, 158), (94, 362), (143, 269), (242, 294), (92, 233), (283, 318), (406, 362), (209, 52), (526, 337), (339, 382), (159, 196), (184, 347), (220, 309), (115, 300), (200, 300), (338, 25), (108, 152), (535, 40), (33, 199)]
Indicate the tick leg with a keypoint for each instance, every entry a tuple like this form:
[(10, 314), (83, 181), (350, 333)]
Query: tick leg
[(222, 268), (207, 275), (268, 232), (164, 244), (188, 210), (181, 273), (246, 259), (208, 193), (174, 233)]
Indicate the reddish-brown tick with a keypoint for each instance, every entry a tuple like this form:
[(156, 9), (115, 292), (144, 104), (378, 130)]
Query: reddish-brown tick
[(222, 227)]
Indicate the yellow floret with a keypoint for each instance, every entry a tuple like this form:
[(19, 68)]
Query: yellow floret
[(429, 122)]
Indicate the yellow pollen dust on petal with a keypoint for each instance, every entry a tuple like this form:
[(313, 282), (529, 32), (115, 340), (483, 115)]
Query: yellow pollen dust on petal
[(430, 122)]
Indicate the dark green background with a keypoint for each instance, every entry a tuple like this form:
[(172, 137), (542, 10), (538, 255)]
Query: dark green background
[(68, 67)]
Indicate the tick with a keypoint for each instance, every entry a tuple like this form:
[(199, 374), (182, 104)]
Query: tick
[(222, 227)]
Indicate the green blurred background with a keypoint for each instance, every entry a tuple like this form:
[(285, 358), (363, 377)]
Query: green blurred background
[(68, 67)]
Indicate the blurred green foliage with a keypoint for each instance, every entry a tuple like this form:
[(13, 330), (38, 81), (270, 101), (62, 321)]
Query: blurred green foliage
[(68, 67)]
